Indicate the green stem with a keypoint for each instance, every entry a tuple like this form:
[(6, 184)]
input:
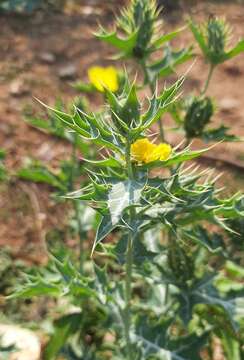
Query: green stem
[(81, 234), (128, 278), (161, 129), (152, 88), (210, 74), (128, 161), (128, 266), (76, 205)]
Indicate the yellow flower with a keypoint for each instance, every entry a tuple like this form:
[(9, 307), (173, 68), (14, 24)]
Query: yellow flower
[(140, 150), (145, 152), (161, 152), (104, 77)]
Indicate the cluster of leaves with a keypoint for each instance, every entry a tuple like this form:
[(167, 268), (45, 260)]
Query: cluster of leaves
[(174, 234), (142, 38), (70, 172), (11, 271), (194, 114), (134, 203), (213, 39)]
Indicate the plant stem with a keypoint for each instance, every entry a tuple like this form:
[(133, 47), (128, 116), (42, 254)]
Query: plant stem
[(152, 88), (210, 74), (81, 235), (76, 204), (128, 265), (128, 161), (161, 129), (128, 278)]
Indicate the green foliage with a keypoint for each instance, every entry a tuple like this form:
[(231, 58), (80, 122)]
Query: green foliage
[(213, 39), (60, 278), (131, 200), (139, 18), (52, 125), (125, 120), (9, 271), (166, 66), (194, 114), (38, 173), (198, 115), (187, 347), (64, 327), (141, 27), (158, 286)]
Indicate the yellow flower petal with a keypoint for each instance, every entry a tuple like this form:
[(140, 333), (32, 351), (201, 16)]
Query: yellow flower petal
[(140, 150), (111, 79), (102, 77), (145, 152), (163, 151)]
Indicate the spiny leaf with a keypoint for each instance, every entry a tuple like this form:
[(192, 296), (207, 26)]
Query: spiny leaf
[(159, 104), (104, 228), (171, 59), (218, 134), (41, 174), (198, 36), (122, 195), (64, 327), (166, 38), (126, 45), (239, 48), (109, 162), (154, 340), (213, 242), (83, 128)]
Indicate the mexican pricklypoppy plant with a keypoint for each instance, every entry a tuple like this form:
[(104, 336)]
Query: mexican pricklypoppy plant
[(157, 286)]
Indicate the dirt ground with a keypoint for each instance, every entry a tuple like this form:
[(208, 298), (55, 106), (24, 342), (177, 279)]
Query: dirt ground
[(39, 56)]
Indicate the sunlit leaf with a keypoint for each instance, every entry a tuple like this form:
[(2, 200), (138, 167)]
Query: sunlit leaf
[(122, 195), (64, 327)]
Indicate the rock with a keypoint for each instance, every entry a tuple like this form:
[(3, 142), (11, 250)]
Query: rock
[(45, 152), (68, 71), (27, 344), (47, 57), (90, 10), (18, 88), (227, 104)]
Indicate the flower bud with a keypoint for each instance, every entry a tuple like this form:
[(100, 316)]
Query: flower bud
[(198, 115), (140, 16), (217, 33)]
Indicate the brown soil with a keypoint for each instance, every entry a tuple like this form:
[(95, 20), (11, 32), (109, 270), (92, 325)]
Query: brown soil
[(26, 211)]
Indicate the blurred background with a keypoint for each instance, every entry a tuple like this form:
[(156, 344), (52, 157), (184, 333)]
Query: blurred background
[(44, 47)]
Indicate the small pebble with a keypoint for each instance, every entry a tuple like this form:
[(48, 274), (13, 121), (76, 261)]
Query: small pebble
[(26, 342), (18, 88), (228, 103), (47, 57), (68, 71)]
